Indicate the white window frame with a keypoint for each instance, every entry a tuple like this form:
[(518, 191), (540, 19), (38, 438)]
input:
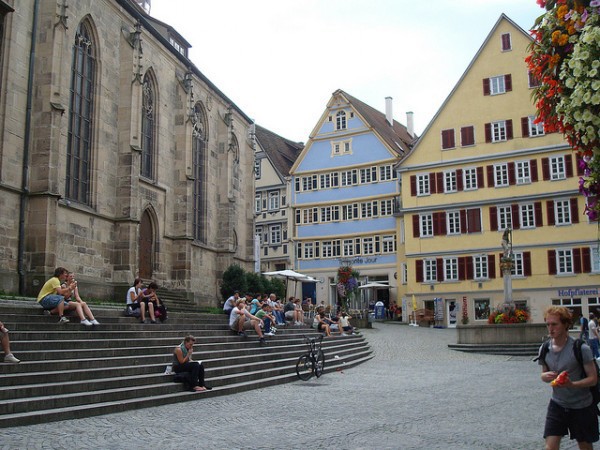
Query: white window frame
[(348, 247), (350, 212), (368, 245), (523, 172), (275, 234), (386, 173), (274, 202), (480, 267), (388, 243), (451, 269), (564, 261), (497, 85), (562, 212), (426, 225), (450, 183), (327, 249), (504, 213), (535, 129), (367, 210), (386, 207), (404, 269), (341, 120), (429, 270), (453, 222), (499, 131), (257, 202), (470, 179), (308, 250), (557, 168), (423, 187), (501, 175), (257, 169), (527, 215), (518, 269)]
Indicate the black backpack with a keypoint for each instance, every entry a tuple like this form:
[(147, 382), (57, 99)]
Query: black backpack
[(595, 390)]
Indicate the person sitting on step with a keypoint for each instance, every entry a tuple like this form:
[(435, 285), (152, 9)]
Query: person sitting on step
[(183, 363), (73, 302), (52, 295), (8, 356), (241, 320), (320, 322), (134, 297), (150, 302), (268, 320)]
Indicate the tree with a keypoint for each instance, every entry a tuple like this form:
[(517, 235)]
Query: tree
[(234, 279)]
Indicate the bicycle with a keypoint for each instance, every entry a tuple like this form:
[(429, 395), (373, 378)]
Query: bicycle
[(313, 362)]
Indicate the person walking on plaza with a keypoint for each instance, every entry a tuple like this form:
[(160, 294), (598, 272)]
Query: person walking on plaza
[(8, 356), (571, 408), (584, 332), (52, 294), (594, 335)]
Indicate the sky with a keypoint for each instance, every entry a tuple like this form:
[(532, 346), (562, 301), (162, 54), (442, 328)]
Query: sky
[(279, 61)]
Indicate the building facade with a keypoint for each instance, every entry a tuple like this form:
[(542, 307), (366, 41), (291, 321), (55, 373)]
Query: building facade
[(119, 158), (482, 167), (344, 196), (273, 219)]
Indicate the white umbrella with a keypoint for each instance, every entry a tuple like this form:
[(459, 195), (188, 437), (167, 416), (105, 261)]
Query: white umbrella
[(373, 285), (290, 274)]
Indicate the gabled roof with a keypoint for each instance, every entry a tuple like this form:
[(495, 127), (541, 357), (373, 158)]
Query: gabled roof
[(396, 136), (282, 152), (485, 43)]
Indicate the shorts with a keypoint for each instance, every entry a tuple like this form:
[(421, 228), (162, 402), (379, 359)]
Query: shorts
[(51, 301), (247, 324), (581, 424), (289, 314)]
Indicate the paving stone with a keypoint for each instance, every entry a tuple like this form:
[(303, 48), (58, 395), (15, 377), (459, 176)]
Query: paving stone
[(414, 394)]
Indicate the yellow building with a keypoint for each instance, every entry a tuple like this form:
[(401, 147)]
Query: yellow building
[(483, 166)]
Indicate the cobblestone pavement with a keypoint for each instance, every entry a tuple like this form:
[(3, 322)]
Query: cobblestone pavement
[(414, 394)]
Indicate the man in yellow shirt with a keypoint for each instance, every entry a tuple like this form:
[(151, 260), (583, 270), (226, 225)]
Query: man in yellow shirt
[(51, 296)]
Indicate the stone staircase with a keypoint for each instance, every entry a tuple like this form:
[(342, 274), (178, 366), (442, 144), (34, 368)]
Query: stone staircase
[(71, 371), (498, 349)]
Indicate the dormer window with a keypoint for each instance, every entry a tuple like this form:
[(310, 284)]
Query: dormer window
[(340, 120), (178, 46)]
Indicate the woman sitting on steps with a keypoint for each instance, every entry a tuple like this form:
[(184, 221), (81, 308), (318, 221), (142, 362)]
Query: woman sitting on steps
[(183, 364)]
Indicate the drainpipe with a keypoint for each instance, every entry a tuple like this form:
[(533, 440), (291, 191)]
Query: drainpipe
[(26, 144)]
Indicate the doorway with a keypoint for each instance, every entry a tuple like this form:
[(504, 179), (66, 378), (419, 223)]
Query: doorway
[(451, 312)]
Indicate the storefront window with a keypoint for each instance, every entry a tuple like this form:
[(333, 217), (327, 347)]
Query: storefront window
[(482, 309)]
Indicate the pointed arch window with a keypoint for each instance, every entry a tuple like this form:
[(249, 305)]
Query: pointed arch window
[(148, 128), (199, 144), (79, 144)]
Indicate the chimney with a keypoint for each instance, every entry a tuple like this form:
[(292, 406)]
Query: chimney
[(410, 123), (389, 114)]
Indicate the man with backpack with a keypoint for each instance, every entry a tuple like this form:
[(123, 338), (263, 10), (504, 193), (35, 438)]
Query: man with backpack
[(572, 408)]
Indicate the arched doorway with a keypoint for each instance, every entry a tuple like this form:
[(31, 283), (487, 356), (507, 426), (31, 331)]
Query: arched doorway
[(146, 251)]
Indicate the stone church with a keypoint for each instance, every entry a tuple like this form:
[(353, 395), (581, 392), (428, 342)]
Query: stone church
[(118, 157)]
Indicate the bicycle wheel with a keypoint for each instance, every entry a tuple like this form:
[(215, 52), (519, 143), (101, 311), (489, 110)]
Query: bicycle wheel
[(320, 363), (304, 367)]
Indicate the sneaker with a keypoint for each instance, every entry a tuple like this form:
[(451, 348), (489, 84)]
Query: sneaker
[(299, 323), (95, 322), (242, 334), (63, 319), (344, 334), (273, 330), (262, 341), (11, 359), (86, 322), (270, 333)]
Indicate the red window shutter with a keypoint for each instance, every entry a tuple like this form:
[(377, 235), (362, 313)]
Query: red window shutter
[(539, 220), (439, 181), (419, 270), (506, 42), (488, 132), (415, 221), (439, 224), (569, 166), (579, 165), (546, 169), (432, 185), (474, 220), (577, 260), (448, 139), (552, 262), (459, 180), (512, 178), (533, 169), (574, 210), (467, 136), (493, 218), (509, 129), (550, 212), (463, 221), (525, 126), (586, 260), (490, 176), (480, 177), (413, 185), (462, 268), (470, 269), (486, 86), (439, 263), (527, 264), (508, 82), (491, 266), (516, 219)]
